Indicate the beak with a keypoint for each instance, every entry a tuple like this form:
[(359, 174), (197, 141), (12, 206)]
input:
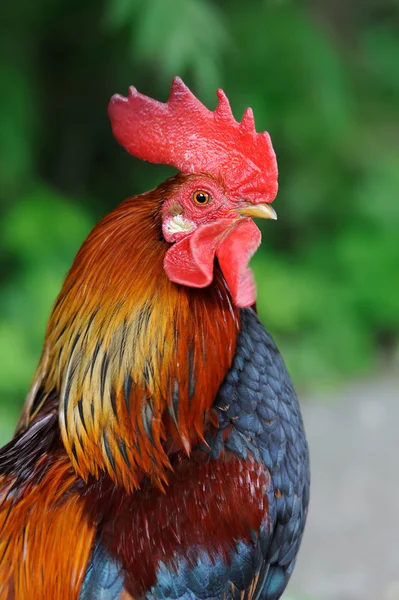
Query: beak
[(260, 211)]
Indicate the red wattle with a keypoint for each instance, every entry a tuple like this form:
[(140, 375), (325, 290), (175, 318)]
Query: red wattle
[(181, 267), (234, 254), (191, 261)]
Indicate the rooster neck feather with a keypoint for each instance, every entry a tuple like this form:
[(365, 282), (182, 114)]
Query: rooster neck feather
[(134, 358)]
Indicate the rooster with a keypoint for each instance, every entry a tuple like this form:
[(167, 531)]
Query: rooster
[(161, 452)]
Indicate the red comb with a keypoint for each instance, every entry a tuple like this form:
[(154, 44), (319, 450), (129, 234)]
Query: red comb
[(183, 133)]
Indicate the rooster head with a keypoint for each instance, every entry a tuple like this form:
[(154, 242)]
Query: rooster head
[(229, 176)]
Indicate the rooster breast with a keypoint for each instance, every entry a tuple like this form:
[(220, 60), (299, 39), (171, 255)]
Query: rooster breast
[(253, 472)]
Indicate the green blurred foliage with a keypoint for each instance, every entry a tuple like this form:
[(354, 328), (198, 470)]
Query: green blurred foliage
[(321, 77)]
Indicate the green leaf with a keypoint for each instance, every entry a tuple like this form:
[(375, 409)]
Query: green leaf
[(18, 123), (44, 227), (178, 36)]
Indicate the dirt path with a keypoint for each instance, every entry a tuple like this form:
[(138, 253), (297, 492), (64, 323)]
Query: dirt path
[(351, 546)]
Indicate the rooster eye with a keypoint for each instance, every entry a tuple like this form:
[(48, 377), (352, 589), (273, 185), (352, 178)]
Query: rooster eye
[(201, 198)]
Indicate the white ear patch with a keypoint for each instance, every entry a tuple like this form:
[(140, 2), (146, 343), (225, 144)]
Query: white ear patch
[(178, 224)]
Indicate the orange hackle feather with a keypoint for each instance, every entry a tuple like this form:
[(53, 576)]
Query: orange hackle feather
[(45, 537), (127, 379)]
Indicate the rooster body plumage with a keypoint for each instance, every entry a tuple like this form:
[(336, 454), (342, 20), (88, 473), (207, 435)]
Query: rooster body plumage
[(161, 452), (265, 446)]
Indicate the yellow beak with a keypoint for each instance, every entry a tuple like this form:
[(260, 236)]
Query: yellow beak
[(260, 211)]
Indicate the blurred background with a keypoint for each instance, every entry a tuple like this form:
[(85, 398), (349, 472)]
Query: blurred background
[(323, 78)]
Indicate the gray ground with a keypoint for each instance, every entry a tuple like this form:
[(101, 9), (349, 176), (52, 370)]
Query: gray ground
[(351, 545)]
